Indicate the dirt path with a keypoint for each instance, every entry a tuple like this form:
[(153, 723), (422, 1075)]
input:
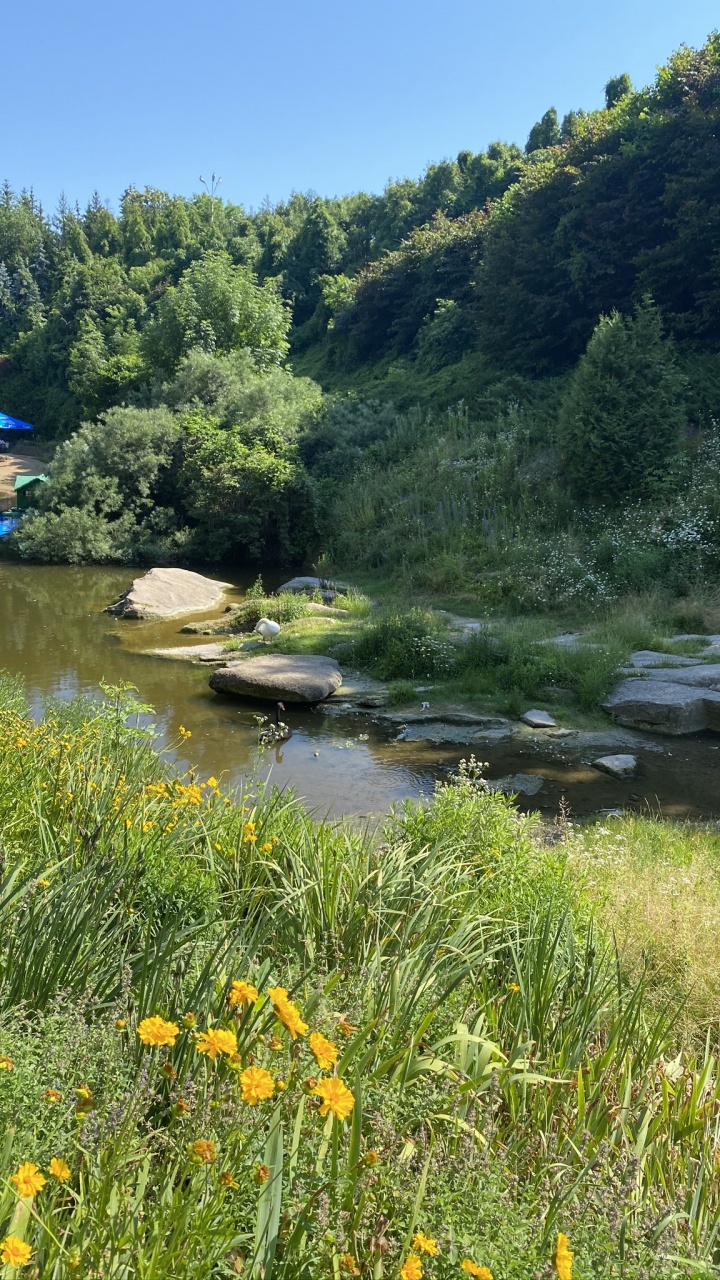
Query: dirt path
[(12, 465)]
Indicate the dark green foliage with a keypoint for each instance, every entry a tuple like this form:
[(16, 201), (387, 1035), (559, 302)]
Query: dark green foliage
[(545, 133), (622, 418), (404, 646), (616, 88)]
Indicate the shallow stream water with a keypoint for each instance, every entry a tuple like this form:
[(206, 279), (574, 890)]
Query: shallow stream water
[(54, 634)]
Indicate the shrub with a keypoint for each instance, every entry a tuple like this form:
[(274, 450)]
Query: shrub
[(404, 646)]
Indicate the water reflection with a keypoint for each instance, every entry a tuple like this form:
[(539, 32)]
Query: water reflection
[(54, 634)]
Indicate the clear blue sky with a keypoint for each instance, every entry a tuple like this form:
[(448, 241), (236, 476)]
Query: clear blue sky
[(327, 95)]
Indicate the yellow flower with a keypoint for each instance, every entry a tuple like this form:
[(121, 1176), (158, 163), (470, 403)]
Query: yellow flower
[(336, 1097), (371, 1158), (28, 1179), (347, 1264), (52, 1096), (15, 1252), (266, 848), (242, 992), (424, 1244), (202, 1152), (120, 1024), (6, 1064), (59, 1169), (257, 1084), (262, 1173), (345, 1027), (212, 781), (411, 1268), (157, 1031), (44, 884), (227, 1180), (215, 1041), (184, 733), (472, 1269), (563, 1257), (324, 1051), (513, 986), (287, 1012)]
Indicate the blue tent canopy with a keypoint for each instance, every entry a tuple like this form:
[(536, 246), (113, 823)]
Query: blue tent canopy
[(13, 424)]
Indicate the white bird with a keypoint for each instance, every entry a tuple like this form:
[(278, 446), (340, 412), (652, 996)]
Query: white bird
[(267, 629)]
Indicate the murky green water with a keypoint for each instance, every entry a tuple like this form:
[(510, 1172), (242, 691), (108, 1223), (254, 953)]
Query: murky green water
[(54, 634)]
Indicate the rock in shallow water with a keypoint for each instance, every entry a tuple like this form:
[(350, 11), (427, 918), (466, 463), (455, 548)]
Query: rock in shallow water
[(279, 677), (168, 593), (521, 784), (620, 766), (673, 705)]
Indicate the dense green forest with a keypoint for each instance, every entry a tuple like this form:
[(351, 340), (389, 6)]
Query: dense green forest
[(516, 355)]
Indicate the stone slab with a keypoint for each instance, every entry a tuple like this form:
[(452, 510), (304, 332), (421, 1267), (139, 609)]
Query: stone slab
[(666, 706), (538, 719), (649, 658), (168, 593), (619, 766), (279, 678)]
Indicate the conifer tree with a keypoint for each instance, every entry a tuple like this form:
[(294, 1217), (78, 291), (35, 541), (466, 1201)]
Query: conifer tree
[(622, 418)]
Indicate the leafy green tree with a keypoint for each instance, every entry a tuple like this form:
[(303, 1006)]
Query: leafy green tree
[(218, 307), (616, 88), (545, 133), (622, 418), (245, 500)]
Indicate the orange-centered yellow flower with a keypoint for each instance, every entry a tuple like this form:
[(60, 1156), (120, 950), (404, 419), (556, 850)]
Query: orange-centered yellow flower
[(28, 1179), (472, 1269), (424, 1244), (14, 1251), (52, 1096), (242, 993), (287, 1012), (325, 1052), (257, 1084), (336, 1097), (411, 1268), (59, 1169), (202, 1151), (215, 1041), (156, 1031), (563, 1257)]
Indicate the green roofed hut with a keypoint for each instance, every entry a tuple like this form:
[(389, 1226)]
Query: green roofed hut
[(25, 488)]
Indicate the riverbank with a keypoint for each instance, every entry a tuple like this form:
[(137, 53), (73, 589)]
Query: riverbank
[(434, 967)]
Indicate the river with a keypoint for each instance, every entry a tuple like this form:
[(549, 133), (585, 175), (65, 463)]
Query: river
[(54, 633)]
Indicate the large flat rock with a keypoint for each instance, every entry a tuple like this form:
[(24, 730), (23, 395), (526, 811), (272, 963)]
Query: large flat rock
[(279, 677), (676, 704), (168, 593), (649, 658)]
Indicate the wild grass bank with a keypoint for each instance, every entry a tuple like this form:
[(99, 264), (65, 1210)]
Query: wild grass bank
[(236, 1041)]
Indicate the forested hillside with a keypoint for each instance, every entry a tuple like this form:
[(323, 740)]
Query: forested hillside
[(485, 281)]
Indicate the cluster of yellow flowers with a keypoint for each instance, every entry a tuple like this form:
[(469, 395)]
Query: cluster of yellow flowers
[(28, 1180), (412, 1268), (256, 1083)]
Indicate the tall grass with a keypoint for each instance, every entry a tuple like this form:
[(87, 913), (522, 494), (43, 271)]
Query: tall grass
[(508, 1075)]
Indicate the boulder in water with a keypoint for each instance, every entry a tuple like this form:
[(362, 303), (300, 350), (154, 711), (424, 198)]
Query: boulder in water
[(279, 677), (168, 593)]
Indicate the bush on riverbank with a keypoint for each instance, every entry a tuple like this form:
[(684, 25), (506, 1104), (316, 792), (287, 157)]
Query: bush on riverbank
[(459, 1055)]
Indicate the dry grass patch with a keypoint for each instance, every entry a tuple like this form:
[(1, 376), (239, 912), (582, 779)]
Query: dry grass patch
[(657, 889)]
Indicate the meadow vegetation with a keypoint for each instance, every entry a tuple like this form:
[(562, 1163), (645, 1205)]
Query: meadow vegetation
[(236, 1041)]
